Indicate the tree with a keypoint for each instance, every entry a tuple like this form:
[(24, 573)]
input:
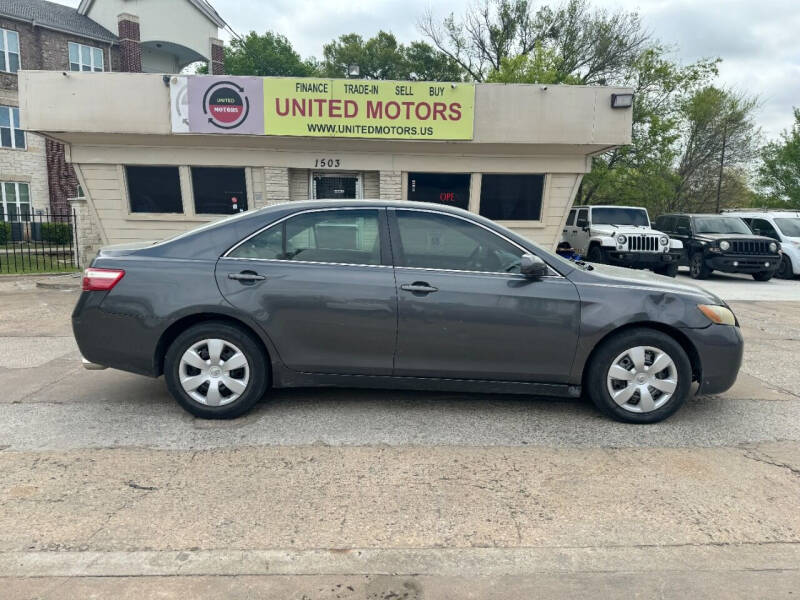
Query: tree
[(779, 172), (270, 54), (643, 173), (591, 47), (718, 131), (382, 57)]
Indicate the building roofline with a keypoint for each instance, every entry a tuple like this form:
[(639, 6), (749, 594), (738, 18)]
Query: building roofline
[(36, 23), (201, 5)]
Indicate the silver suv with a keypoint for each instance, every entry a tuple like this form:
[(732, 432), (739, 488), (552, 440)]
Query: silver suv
[(621, 235)]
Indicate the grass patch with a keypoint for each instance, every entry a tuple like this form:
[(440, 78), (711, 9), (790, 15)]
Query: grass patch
[(33, 263)]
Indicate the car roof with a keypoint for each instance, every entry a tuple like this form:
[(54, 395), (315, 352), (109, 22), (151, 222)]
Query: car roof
[(693, 215), (610, 206)]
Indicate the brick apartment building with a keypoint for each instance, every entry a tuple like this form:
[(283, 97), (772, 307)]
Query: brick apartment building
[(151, 36)]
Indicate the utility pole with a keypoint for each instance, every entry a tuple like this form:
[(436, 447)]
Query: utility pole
[(721, 163)]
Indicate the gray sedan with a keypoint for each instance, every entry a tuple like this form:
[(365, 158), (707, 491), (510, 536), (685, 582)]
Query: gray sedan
[(396, 295)]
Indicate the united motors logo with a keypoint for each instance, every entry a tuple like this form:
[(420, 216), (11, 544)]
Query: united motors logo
[(226, 105)]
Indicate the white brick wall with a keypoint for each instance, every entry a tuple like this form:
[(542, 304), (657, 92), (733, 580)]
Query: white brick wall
[(391, 185), (276, 185), (88, 231)]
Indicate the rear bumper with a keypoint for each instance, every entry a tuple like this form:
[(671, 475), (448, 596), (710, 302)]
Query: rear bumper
[(642, 259), (738, 263), (720, 349), (112, 340), (90, 366)]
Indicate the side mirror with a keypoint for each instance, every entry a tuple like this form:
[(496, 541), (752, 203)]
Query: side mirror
[(532, 266), (756, 231), (582, 223), (684, 231)]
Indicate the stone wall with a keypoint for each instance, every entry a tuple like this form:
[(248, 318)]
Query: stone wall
[(391, 185), (88, 232), (276, 185), (28, 166)]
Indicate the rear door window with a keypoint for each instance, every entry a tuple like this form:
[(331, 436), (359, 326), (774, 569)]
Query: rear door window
[(331, 236)]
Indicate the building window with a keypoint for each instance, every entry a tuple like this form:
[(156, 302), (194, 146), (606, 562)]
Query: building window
[(451, 189), (512, 197), (16, 201), (219, 191), (9, 51), (85, 58), (154, 189), (11, 136), (336, 186)]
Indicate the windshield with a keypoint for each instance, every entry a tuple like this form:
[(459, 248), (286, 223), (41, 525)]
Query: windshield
[(720, 225), (789, 226), (620, 216)]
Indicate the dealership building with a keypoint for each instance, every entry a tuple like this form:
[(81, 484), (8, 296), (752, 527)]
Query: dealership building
[(156, 154)]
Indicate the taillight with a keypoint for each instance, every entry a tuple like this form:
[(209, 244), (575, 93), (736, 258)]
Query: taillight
[(101, 280)]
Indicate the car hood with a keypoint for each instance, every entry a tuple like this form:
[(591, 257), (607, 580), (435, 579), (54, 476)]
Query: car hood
[(626, 229), (712, 237), (611, 275)]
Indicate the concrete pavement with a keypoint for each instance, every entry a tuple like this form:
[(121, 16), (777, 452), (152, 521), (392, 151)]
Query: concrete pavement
[(108, 489)]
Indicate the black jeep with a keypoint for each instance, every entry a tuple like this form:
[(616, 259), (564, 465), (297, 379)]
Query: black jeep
[(721, 243)]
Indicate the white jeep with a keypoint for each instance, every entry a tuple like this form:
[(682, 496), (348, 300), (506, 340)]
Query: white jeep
[(621, 235)]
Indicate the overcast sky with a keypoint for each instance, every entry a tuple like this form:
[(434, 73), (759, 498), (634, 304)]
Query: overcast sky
[(759, 41)]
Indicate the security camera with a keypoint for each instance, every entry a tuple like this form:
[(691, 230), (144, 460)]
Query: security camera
[(453, 85), (543, 88)]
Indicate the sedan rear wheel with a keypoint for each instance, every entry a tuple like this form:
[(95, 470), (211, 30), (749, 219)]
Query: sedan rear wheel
[(639, 376), (216, 370)]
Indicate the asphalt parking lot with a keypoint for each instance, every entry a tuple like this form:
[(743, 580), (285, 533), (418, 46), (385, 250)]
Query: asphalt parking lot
[(109, 489)]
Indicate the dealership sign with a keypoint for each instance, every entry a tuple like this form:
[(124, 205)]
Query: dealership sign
[(309, 107)]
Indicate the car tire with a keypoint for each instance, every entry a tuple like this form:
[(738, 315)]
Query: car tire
[(785, 269), (619, 352), (763, 275), (198, 382), (697, 266), (595, 254), (670, 270)]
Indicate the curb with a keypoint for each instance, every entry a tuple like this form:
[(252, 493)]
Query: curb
[(60, 282)]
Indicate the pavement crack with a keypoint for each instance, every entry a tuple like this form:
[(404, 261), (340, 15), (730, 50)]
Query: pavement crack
[(752, 454)]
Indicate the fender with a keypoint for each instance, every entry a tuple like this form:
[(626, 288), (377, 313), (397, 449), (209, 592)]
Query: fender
[(603, 240)]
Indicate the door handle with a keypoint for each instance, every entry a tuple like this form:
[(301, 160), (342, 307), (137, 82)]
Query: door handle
[(419, 287), (246, 276)]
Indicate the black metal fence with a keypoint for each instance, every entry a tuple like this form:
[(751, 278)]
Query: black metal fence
[(39, 242)]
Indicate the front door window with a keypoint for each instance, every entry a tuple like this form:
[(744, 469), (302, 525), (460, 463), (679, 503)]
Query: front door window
[(437, 241)]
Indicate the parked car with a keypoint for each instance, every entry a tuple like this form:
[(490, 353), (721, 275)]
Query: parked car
[(400, 295), (782, 226), (722, 243), (621, 235)]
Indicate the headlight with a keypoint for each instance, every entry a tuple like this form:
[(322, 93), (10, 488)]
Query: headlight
[(725, 245), (717, 314), (621, 239), (773, 247), (664, 240)]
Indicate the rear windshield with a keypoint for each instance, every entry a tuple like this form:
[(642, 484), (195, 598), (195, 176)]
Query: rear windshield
[(620, 216), (789, 226), (720, 225)]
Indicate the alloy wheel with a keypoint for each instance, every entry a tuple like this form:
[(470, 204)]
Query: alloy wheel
[(214, 372), (642, 379)]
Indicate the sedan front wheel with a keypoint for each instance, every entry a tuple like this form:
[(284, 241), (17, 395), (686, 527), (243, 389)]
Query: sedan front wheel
[(639, 376)]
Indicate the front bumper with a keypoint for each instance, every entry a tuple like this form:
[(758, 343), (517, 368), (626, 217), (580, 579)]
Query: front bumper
[(743, 263), (642, 259), (720, 349)]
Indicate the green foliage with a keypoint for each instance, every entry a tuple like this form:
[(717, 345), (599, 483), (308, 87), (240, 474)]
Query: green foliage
[(5, 232), (270, 54), (542, 65), (382, 57), (57, 233), (779, 172)]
